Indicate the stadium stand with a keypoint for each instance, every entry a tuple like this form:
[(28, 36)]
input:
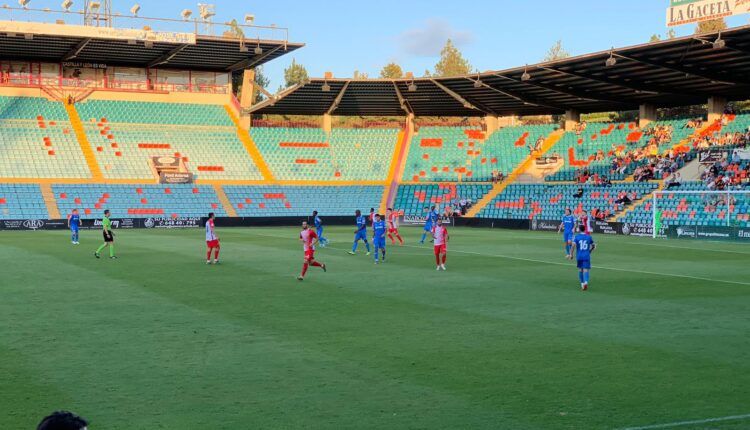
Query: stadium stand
[(309, 154), (22, 201), (412, 199), (548, 201), (37, 140), (255, 201), (124, 135), (467, 153), (138, 201)]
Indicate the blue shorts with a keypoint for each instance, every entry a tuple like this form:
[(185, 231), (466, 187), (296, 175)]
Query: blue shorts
[(360, 235), (74, 229), (568, 237), (319, 231), (379, 242), (428, 227), (584, 264)]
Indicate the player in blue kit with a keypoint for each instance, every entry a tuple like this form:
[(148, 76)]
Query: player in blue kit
[(429, 223), (360, 233), (378, 236), (319, 229), (568, 226), (583, 245), (74, 223)]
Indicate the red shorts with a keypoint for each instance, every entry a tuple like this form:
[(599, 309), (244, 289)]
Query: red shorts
[(441, 249), (212, 243), (393, 230), (310, 255)]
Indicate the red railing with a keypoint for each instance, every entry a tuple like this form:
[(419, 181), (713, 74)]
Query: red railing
[(31, 80)]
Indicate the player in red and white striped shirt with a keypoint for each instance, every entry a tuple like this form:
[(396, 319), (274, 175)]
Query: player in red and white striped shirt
[(586, 222), (440, 236), (392, 218), (309, 239), (212, 240)]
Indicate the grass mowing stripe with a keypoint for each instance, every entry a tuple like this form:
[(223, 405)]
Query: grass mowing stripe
[(688, 423)]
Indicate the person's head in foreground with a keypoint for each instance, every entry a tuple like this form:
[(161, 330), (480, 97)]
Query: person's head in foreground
[(211, 215), (439, 222), (304, 225), (63, 420)]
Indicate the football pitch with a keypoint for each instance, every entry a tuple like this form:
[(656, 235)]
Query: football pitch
[(504, 339)]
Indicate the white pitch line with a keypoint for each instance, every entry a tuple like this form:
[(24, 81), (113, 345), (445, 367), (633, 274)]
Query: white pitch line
[(687, 423), (557, 263)]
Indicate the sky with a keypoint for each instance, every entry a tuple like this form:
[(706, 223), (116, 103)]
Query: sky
[(344, 36)]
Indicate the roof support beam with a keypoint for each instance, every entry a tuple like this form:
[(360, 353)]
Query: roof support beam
[(728, 80), (637, 87), (517, 96), (402, 101), (467, 104), (270, 101), (338, 98), (166, 57), (582, 95), (248, 63), (73, 53)]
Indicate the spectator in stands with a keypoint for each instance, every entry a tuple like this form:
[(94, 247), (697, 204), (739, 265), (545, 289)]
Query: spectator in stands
[(578, 194), (606, 183), (674, 180), (63, 420), (539, 143), (623, 198)]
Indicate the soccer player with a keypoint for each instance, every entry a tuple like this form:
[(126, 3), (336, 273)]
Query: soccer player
[(319, 229), (360, 233), (378, 237), (440, 238), (62, 420), (429, 222), (212, 240), (309, 238), (74, 223), (583, 245), (392, 218), (109, 237), (568, 225), (586, 222)]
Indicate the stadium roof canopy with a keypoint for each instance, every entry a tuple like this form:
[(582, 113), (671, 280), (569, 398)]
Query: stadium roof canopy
[(208, 53), (680, 71)]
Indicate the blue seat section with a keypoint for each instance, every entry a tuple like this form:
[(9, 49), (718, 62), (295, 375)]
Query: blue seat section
[(37, 141), (713, 209), (138, 201), (22, 201), (412, 199), (549, 201), (154, 113), (259, 201)]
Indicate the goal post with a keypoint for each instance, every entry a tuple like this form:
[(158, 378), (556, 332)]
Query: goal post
[(681, 213)]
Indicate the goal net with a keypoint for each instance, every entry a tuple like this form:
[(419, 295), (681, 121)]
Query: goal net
[(701, 214)]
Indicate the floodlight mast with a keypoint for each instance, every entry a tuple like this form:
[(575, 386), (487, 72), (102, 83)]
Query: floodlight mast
[(97, 13)]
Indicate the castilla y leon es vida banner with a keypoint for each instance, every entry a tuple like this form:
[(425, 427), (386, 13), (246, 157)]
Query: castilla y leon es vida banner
[(682, 12)]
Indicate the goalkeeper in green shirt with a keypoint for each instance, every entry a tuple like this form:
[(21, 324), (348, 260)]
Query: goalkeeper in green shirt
[(109, 237)]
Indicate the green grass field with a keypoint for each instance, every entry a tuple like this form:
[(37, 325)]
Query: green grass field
[(503, 340)]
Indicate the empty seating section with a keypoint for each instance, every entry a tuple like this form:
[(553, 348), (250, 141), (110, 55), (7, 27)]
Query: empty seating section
[(412, 199), (594, 149), (138, 201), (468, 154), (155, 113), (548, 201), (201, 135), (259, 201), (308, 154), (695, 209), (37, 140), (22, 201)]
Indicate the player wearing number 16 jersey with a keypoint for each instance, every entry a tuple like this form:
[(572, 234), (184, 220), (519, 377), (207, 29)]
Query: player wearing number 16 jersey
[(583, 245), (309, 238), (440, 240)]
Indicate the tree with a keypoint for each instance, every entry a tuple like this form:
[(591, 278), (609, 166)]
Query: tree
[(295, 74), (654, 38), (260, 79), (556, 52), (360, 75), (427, 74), (234, 31), (451, 63), (391, 71), (712, 26), (671, 34)]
